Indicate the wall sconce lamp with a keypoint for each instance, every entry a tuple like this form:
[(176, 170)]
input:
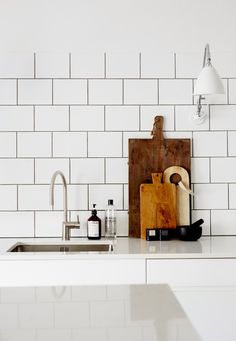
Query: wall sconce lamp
[(208, 83)]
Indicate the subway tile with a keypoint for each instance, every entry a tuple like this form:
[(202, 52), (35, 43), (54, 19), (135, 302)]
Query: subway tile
[(188, 65), (8, 90), (126, 197), (16, 65), (105, 91), (99, 195), (44, 169), (89, 170), (210, 196), (88, 293), (8, 316), (87, 118), (200, 170), (209, 144), (53, 334), (18, 334), (133, 135), (157, 65), (89, 334), (117, 170), (48, 224), (223, 117), (122, 223), (72, 315), (51, 118), (122, 65), (7, 144), (126, 333), (36, 315), (77, 197), (71, 144), (149, 112), (142, 91), (224, 62), (232, 196), (35, 91), (53, 294), (118, 293), (107, 314), (223, 169), (223, 222), (184, 118), (33, 197), (232, 143), (178, 135), (232, 91), (16, 171), (87, 65), (176, 91), (31, 144), (205, 215), (19, 224), (18, 295), (15, 118), (52, 65), (69, 91), (106, 144), (122, 118), (8, 197)]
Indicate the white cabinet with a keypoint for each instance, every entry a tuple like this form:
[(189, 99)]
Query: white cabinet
[(192, 272), (72, 272)]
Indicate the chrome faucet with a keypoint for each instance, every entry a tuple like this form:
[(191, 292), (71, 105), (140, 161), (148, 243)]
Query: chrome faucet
[(66, 225)]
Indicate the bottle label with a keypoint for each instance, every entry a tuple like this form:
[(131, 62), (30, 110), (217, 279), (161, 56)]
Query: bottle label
[(93, 229)]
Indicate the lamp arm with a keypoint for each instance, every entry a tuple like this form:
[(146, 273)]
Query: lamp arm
[(199, 105), (207, 56)]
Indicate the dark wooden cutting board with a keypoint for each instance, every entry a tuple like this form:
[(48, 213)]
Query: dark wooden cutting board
[(147, 156)]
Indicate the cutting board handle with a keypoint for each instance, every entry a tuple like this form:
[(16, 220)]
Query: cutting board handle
[(156, 178), (157, 130)]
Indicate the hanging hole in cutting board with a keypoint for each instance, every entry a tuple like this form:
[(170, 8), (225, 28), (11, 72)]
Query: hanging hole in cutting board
[(175, 178)]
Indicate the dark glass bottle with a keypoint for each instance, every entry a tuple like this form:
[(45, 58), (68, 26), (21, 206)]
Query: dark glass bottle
[(94, 225)]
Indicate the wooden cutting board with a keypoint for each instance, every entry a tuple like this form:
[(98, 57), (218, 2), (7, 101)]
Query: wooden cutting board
[(147, 156), (179, 175), (157, 205)]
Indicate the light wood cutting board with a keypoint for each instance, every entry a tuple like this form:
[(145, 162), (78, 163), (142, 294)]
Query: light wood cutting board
[(157, 205)]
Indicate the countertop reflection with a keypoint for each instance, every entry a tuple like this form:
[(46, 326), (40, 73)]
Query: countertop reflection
[(101, 313)]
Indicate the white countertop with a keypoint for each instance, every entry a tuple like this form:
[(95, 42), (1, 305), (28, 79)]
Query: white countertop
[(205, 247)]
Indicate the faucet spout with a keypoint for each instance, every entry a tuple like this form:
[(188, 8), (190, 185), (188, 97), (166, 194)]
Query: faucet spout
[(64, 191), (66, 225)]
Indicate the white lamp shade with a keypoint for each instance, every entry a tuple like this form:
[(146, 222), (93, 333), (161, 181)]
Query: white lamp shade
[(208, 82)]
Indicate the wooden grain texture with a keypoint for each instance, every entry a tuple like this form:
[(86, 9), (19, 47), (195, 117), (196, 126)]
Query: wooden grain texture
[(147, 156), (182, 197), (157, 205)]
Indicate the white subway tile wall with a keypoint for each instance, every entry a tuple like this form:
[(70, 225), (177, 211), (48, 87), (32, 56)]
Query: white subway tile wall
[(76, 111)]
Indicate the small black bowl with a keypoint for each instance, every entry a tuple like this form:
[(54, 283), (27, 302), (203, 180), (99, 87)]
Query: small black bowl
[(189, 233)]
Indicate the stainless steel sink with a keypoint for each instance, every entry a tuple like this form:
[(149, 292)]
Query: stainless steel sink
[(21, 247)]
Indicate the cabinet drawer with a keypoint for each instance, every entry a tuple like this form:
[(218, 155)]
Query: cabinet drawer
[(72, 272), (192, 272)]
